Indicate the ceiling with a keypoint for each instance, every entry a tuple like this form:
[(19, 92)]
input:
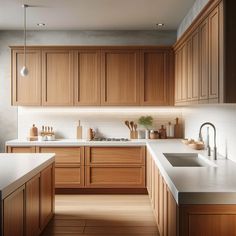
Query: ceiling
[(94, 14)]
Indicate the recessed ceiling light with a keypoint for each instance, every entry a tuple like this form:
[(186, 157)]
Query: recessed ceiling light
[(160, 25), (40, 24)]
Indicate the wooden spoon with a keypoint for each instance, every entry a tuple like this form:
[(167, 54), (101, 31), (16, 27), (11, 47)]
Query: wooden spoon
[(132, 125), (135, 127), (127, 124)]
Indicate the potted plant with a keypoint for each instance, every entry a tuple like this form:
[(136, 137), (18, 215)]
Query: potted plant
[(146, 122)]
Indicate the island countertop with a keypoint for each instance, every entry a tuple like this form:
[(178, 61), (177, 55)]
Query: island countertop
[(18, 168)]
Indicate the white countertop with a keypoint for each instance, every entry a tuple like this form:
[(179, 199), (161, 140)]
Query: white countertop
[(75, 142), (18, 168), (189, 185)]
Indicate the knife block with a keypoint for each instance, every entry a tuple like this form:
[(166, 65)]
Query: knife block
[(133, 134)]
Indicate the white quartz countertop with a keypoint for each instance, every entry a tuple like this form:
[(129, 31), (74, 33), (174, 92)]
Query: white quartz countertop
[(189, 185), (75, 142), (18, 168)]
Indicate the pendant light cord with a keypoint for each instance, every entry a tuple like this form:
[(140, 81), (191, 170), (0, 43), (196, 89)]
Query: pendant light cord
[(25, 6)]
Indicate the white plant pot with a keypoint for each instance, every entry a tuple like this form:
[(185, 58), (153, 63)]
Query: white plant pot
[(141, 134)]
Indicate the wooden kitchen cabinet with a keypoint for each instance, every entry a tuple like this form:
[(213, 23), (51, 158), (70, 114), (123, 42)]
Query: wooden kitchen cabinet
[(47, 195), (69, 162), (87, 79), (57, 77), (13, 208), (115, 167), (156, 77), (120, 77), (12, 149), (26, 91), (33, 206)]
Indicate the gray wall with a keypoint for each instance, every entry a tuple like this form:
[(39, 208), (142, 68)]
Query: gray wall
[(191, 15), (8, 115)]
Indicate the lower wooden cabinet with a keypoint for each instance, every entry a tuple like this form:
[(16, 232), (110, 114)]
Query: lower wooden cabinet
[(115, 167), (69, 162), (13, 216), (28, 209), (33, 206), (28, 149), (46, 195), (96, 167), (69, 176)]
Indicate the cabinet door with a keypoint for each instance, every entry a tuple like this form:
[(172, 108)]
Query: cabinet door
[(214, 55), (149, 173), (46, 195), (13, 208), (178, 76), (204, 61), (171, 214), (184, 73), (120, 77), (195, 65), (26, 90), (11, 149), (87, 89), (155, 77), (57, 75), (33, 206)]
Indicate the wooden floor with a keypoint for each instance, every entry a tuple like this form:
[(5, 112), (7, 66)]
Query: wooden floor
[(102, 215)]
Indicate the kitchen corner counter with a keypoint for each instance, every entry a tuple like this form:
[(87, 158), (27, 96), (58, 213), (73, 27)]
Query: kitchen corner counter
[(17, 169), (189, 185)]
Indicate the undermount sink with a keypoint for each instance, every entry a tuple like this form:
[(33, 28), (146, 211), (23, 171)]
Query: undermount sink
[(188, 160)]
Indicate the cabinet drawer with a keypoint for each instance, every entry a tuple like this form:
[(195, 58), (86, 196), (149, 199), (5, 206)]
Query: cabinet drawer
[(115, 155), (20, 149), (115, 177), (65, 154), (69, 177)]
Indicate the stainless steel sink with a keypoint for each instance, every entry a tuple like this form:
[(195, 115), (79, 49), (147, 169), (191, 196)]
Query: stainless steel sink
[(188, 160)]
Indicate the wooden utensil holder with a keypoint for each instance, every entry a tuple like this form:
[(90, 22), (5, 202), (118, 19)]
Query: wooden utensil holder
[(133, 134)]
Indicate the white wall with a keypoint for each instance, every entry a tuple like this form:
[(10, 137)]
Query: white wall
[(108, 121), (223, 117)]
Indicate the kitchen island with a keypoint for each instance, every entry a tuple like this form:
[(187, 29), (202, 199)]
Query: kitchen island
[(26, 193)]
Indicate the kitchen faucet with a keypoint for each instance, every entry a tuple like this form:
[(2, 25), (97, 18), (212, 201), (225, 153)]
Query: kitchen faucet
[(208, 147)]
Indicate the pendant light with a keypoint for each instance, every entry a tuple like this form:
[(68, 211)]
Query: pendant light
[(24, 70)]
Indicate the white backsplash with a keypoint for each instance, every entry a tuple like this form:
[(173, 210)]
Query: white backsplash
[(223, 117), (109, 122)]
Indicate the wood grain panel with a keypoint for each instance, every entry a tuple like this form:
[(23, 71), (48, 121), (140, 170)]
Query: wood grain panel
[(204, 60), (13, 217), (87, 66), (57, 77), (33, 206), (69, 177), (70, 155), (207, 220), (214, 54), (184, 74), (172, 214), (178, 75), (20, 149), (115, 155), (120, 77), (26, 90), (155, 77), (46, 195), (115, 176)]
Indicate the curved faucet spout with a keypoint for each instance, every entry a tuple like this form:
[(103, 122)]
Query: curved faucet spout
[(200, 136)]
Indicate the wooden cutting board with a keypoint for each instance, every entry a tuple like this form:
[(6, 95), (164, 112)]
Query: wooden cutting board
[(178, 132)]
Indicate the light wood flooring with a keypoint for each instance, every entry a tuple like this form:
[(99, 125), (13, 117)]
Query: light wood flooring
[(102, 215)]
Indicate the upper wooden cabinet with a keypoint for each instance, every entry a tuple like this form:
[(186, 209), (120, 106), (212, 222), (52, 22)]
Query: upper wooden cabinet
[(156, 76), (26, 90), (57, 77), (120, 77), (207, 58), (94, 76), (87, 77)]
